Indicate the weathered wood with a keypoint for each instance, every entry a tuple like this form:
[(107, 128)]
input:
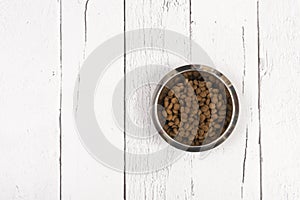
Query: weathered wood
[(29, 103), (173, 15), (85, 25), (43, 44), (231, 171), (279, 54)]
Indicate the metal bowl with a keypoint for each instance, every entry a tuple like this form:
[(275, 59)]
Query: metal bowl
[(233, 96)]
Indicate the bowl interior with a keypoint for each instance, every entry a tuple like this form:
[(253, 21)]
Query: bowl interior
[(195, 108)]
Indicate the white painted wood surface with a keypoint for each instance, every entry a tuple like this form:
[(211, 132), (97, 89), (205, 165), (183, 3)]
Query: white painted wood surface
[(85, 25), (229, 36), (173, 15), (44, 43), (29, 85), (279, 98)]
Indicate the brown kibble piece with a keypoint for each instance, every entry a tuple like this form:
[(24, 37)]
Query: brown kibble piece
[(217, 126), (176, 106), (214, 117), (203, 94), (171, 123), (214, 99), (177, 121), (187, 110), (170, 93), (169, 117), (212, 106), (201, 83), (170, 106), (205, 128), (204, 108), (164, 113), (169, 111), (222, 112), (213, 111), (166, 127), (184, 116), (174, 100), (202, 117), (166, 103), (174, 117), (223, 107), (207, 101), (207, 114), (215, 90), (209, 84)]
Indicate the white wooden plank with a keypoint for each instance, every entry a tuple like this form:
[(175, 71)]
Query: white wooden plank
[(86, 24), (279, 98), (227, 31), (29, 103), (173, 15)]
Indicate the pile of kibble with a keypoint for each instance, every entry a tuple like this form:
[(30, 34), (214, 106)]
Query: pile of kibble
[(196, 108)]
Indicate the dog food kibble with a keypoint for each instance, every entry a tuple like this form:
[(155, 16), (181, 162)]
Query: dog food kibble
[(196, 108)]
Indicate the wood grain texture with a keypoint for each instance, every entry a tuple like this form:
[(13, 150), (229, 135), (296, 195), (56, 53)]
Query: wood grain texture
[(173, 15), (43, 45), (85, 25), (29, 103), (279, 98)]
